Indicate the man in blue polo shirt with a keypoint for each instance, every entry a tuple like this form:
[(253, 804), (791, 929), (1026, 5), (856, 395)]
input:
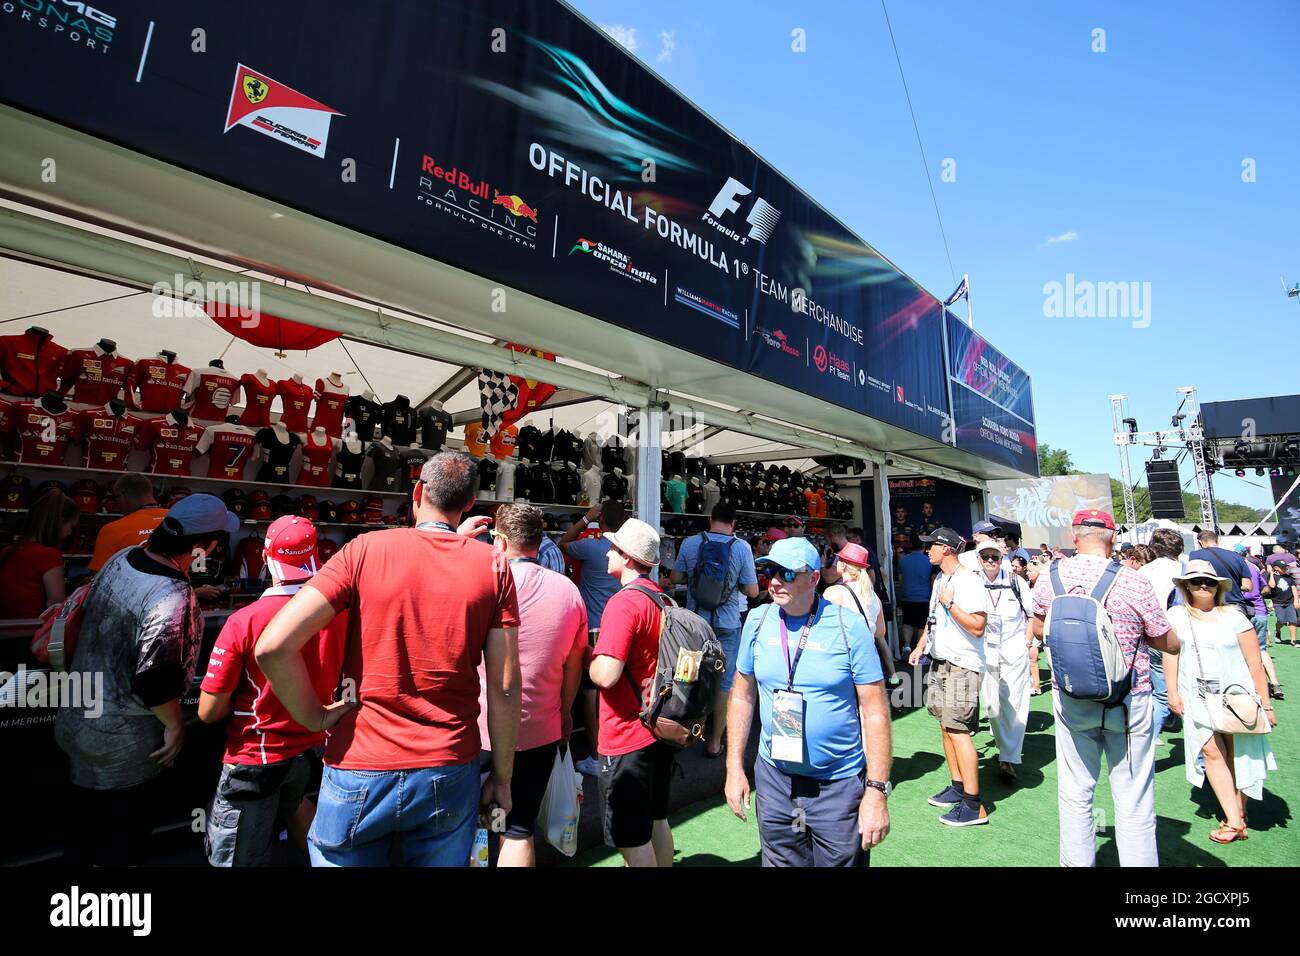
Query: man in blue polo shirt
[(822, 773), (741, 581)]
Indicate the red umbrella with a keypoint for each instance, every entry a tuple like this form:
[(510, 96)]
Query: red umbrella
[(268, 331)]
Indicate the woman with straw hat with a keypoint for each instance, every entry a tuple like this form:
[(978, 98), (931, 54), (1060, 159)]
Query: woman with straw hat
[(1220, 650), (857, 592)]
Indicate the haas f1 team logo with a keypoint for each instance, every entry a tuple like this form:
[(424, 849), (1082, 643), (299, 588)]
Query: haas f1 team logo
[(820, 359), (273, 109)]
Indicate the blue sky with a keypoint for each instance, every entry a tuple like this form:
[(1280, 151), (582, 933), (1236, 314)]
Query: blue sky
[(1116, 166)]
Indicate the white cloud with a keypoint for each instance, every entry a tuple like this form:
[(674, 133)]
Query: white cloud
[(622, 35), (1063, 237), (667, 43)]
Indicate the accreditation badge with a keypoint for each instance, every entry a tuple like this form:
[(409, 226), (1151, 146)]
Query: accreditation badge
[(787, 726)]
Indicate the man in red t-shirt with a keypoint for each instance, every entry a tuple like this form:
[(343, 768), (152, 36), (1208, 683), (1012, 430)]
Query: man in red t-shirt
[(425, 605), (267, 765), (635, 768)]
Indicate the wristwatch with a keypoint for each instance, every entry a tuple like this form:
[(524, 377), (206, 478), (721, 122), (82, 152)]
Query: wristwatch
[(886, 787), (947, 607)]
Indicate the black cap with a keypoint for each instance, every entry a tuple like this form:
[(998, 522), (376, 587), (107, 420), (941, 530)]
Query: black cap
[(944, 536)]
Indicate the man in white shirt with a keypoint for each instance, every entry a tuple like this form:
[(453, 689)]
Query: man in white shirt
[(953, 637)]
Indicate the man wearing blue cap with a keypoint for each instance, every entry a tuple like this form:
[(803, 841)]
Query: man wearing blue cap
[(822, 773), (139, 642)]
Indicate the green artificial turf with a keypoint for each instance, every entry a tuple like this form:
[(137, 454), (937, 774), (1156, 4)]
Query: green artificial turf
[(1023, 826)]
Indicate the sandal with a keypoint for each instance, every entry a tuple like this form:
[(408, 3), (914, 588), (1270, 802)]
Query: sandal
[(1227, 834)]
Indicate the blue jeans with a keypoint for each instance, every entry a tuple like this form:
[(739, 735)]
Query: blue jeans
[(1159, 692), (429, 815), (1260, 622), (729, 638)]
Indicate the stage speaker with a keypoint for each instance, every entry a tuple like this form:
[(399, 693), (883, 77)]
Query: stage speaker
[(1166, 490)]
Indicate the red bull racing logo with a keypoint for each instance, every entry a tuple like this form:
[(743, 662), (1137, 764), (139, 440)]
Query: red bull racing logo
[(516, 206)]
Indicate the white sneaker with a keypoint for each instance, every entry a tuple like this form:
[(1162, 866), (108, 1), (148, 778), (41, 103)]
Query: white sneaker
[(588, 765)]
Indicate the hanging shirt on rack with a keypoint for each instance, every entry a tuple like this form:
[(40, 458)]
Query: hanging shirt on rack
[(675, 492), (504, 442), (160, 384), (42, 434), (505, 486), (213, 390), (474, 445), (591, 482), (413, 460), (94, 376), (278, 455), (347, 465), (257, 401), (487, 475), (387, 463), (172, 445), (295, 399), (30, 364), (529, 441), (315, 471), (366, 415), (612, 455), (331, 399), (590, 453), (567, 484), (567, 447), (434, 425), (614, 486), (108, 437), (229, 449), (399, 421)]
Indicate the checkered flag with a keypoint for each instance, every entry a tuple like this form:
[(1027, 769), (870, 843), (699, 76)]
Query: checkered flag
[(497, 395)]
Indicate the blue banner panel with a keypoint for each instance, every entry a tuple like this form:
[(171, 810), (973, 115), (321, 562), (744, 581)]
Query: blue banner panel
[(983, 369), (511, 140), (989, 430)]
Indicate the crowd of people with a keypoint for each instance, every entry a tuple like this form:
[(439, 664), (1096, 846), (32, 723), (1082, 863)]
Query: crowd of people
[(435, 671)]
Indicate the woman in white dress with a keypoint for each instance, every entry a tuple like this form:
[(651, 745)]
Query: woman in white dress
[(1220, 648), (857, 592)]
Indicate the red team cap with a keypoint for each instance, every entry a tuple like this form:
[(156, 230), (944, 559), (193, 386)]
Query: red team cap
[(259, 506), (86, 494), (1093, 518), (291, 548)]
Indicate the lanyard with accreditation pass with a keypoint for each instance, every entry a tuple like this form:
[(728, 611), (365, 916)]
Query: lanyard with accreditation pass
[(787, 704)]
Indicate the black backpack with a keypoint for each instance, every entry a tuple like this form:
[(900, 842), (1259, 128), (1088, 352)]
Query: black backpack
[(690, 667)]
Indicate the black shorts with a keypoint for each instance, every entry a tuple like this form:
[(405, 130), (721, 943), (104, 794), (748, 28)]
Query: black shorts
[(915, 613), (528, 785), (634, 791)]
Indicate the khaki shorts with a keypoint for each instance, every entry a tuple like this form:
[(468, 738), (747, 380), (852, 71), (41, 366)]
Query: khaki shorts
[(953, 697)]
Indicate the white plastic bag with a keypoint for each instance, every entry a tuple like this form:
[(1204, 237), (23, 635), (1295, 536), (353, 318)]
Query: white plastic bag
[(562, 805)]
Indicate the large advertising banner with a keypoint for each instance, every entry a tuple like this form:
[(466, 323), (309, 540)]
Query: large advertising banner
[(512, 140), (992, 406), (1044, 506)]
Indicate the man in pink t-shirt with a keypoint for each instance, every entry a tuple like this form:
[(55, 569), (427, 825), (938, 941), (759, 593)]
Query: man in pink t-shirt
[(552, 646)]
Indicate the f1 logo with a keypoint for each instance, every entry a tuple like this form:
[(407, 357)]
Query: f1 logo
[(762, 217)]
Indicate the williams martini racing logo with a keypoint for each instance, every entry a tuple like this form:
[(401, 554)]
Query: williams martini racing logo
[(619, 262), (716, 310), (273, 109)]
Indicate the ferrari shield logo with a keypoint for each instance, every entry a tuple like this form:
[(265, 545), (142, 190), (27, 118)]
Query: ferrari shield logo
[(254, 89)]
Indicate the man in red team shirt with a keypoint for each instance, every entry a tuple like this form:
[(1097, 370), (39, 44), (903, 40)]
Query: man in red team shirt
[(268, 761), (635, 768), (425, 605)]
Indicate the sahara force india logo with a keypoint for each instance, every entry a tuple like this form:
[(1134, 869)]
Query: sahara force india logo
[(273, 109), (619, 262)]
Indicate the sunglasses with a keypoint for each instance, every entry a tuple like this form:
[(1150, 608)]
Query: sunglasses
[(1203, 583), (991, 557), (786, 575)]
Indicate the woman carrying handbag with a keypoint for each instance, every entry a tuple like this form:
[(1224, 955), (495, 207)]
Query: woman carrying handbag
[(1217, 684)]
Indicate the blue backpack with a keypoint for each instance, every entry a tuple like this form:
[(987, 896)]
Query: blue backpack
[(1087, 658), (710, 583)]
